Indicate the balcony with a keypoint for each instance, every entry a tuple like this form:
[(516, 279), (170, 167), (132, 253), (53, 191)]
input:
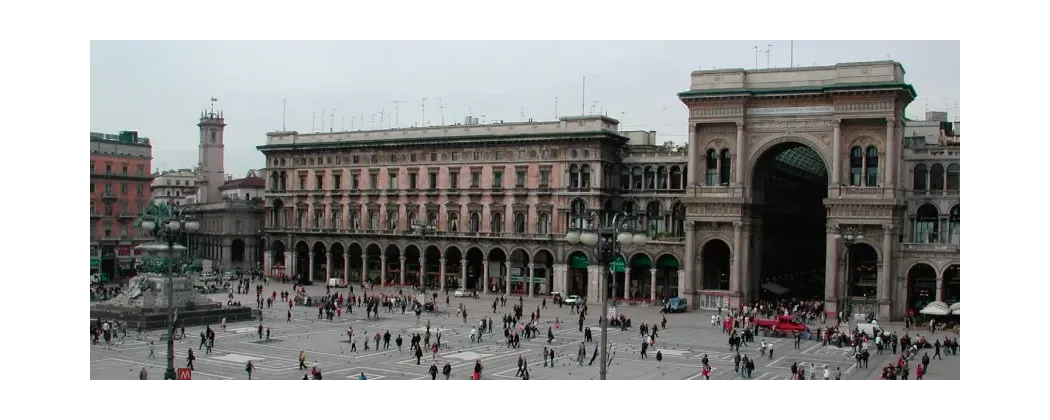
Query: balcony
[(497, 188), (127, 216), (932, 194), (544, 190), (474, 191), (372, 193), (336, 193), (353, 192), (108, 196), (520, 192), (452, 190), (940, 248), (97, 215), (432, 192)]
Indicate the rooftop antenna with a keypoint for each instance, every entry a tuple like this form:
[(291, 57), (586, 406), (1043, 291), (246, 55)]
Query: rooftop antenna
[(351, 123), (373, 126), (756, 55), (331, 123), (792, 54), (322, 121), (594, 106), (397, 113), (621, 118), (555, 107), (284, 114), (361, 122), (441, 110), (313, 122), (523, 112), (382, 113), (768, 48), (583, 97), (213, 101), (927, 104), (342, 123), (423, 109)]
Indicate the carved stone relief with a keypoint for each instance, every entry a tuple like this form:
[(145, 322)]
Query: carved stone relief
[(720, 111), (789, 126), (870, 106)]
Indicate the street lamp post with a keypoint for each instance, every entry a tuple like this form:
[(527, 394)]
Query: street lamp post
[(423, 228), (849, 235), (607, 242), (168, 228)]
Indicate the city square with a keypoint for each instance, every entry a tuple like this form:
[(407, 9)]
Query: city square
[(687, 338)]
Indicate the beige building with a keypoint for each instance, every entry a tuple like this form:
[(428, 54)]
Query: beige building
[(177, 187)]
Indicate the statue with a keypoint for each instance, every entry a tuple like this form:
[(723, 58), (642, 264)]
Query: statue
[(156, 256)]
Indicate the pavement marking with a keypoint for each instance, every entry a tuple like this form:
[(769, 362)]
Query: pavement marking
[(236, 358), (771, 364), (195, 372)]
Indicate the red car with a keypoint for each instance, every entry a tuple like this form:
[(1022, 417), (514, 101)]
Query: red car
[(782, 323)]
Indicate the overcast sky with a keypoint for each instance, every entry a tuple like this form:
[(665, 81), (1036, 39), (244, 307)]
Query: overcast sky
[(160, 88)]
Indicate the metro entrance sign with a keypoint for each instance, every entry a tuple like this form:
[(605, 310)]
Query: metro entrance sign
[(184, 374)]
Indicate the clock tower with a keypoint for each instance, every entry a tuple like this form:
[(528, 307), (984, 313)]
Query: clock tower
[(212, 175)]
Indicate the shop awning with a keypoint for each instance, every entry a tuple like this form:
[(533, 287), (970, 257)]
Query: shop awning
[(94, 263)]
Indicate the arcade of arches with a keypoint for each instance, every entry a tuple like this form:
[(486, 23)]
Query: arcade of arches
[(640, 277)]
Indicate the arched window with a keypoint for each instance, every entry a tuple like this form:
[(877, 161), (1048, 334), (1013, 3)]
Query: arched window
[(453, 221), (574, 176), (953, 226), (475, 222), (650, 178), (519, 222), (661, 177), (545, 223), (391, 219), (919, 177), (284, 181), (856, 166), (636, 178), (577, 213), (678, 215), (654, 218), (497, 222), (625, 178), (373, 220), (676, 178), (585, 176), (337, 219), (936, 177), (355, 220), (711, 176), (723, 178), (926, 228), (432, 218), (871, 162), (411, 219), (953, 177), (318, 219)]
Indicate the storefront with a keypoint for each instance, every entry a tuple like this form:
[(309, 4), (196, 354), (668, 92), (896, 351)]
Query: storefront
[(710, 299)]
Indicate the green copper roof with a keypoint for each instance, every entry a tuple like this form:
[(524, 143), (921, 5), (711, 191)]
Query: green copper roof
[(800, 89), (804, 159)]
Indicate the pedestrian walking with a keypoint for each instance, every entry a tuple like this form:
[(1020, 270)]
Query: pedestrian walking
[(302, 360), (151, 354), (250, 367), (142, 374), (190, 358)]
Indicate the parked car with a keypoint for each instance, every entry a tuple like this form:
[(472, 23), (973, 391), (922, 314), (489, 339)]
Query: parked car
[(676, 304), (462, 293), (573, 299)]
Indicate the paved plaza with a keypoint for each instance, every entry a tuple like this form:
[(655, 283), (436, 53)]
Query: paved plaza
[(687, 338)]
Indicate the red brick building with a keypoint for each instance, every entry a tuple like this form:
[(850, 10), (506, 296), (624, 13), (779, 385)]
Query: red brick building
[(120, 191)]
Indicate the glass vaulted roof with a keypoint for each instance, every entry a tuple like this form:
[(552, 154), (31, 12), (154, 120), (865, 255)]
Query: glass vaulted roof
[(803, 158)]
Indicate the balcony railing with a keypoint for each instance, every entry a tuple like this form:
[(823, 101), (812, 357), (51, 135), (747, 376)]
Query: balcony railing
[(933, 193), (930, 247)]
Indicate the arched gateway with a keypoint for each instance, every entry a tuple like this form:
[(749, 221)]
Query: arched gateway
[(790, 172)]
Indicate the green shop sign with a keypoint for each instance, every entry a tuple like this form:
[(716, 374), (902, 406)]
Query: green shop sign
[(618, 266), (579, 262), (94, 263)]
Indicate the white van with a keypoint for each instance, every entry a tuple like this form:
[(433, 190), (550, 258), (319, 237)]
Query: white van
[(336, 282)]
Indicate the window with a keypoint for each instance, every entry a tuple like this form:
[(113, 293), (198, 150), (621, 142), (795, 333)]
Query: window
[(92, 166), (373, 220), (411, 219), (300, 219), (375, 159), (355, 220), (455, 156), (318, 182), (391, 219), (475, 178), (412, 157), (107, 230), (545, 178), (477, 155), (237, 226), (953, 177), (953, 226), (139, 207), (109, 188), (109, 171), (926, 228), (141, 170), (433, 157), (499, 155), (661, 177), (856, 166), (585, 176), (453, 180), (393, 158), (124, 188), (355, 159), (337, 181), (475, 222), (625, 178), (318, 219), (545, 223), (92, 187), (432, 219), (355, 181), (676, 178), (577, 213), (393, 181), (302, 183), (519, 222), (138, 189), (124, 170), (123, 231), (412, 181), (520, 181), (936, 177), (373, 181), (497, 179), (654, 218), (919, 177), (725, 167), (432, 180), (337, 219), (108, 209), (574, 176), (871, 163), (497, 222), (453, 221)]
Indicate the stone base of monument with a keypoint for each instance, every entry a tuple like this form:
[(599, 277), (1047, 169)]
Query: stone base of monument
[(146, 302)]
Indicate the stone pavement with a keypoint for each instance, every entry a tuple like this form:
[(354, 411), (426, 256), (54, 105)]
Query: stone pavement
[(687, 338)]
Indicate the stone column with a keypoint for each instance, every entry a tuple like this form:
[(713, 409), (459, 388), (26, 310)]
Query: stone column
[(463, 274), (422, 270), (652, 284), (747, 286), (310, 263), (484, 280), (441, 273), (382, 269), (681, 273), (890, 175), (887, 274), (693, 149), (346, 267), (404, 261), (288, 263), (735, 264), (686, 281), (740, 150), (328, 267), (939, 294), (836, 154), (505, 274), (626, 284), (267, 258), (831, 272), (528, 282)]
